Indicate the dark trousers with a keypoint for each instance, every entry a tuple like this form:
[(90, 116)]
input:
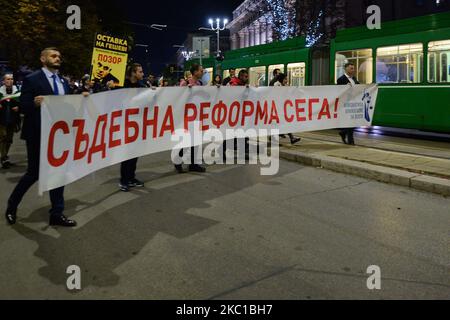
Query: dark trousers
[(235, 144), (6, 140), (348, 133), (128, 171), (193, 153), (30, 177)]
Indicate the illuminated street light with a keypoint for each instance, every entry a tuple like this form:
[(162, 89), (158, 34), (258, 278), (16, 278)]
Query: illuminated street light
[(217, 29), (188, 55)]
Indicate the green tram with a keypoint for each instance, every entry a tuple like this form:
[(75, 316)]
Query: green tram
[(409, 59)]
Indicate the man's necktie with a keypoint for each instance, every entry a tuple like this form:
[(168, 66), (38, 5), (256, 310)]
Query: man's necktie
[(55, 85)]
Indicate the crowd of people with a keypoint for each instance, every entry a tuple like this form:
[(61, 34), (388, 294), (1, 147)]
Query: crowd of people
[(27, 99)]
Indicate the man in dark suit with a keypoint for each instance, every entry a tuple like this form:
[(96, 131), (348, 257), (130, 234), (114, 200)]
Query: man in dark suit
[(348, 78), (37, 85)]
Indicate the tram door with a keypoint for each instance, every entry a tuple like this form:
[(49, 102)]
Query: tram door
[(320, 66)]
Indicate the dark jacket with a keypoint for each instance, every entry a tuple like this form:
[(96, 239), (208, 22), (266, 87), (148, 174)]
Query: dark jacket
[(226, 81), (344, 80), (35, 84), (273, 81), (109, 78), (129, 84), (8, 116)]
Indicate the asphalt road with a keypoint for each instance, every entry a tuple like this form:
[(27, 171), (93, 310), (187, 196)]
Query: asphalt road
[(231, 233)]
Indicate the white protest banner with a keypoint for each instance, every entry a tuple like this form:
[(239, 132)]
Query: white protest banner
[(81, 135)]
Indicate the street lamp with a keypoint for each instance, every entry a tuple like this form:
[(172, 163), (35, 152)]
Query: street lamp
[(187, 55), (216, 28)]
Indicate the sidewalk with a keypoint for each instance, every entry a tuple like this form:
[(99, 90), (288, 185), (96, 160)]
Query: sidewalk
[(418, 164)]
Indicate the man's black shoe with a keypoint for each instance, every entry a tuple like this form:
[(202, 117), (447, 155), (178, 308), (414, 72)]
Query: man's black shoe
[(124, 187), (295, 140), (197, 168), (62, 221), (135, 183), (11, 215), (6, 164)]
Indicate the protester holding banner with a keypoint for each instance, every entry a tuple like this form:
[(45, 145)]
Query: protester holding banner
[(227, 80), (197, 74), (217, 80), (9, 117), (152, 81), (135, 76), (348, 79), (241, 80), (118, 125), (38, 84), (282, 81)]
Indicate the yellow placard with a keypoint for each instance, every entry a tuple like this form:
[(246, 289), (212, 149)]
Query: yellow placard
[(109, 60)]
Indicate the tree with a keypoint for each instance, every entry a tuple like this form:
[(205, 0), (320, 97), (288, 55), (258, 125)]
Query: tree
[(28, 26), (280, 13), (318, 20), (283, 18)]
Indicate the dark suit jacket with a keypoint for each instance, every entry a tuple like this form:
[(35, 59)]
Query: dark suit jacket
[(35, 84), (344, 80)]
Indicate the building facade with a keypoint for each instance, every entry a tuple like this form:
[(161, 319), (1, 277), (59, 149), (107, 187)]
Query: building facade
[(319, 19), (251, 26)]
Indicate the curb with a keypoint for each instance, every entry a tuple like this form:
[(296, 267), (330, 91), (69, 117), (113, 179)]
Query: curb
[(369, 171)]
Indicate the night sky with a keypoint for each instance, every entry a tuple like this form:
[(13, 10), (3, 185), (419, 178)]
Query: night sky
[(181, 16)]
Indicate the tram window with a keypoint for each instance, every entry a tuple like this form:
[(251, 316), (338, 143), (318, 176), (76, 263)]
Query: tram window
[(439, 61), (239, 70), (296, 74), (226, 73), (363, 61), (400, 64), (432, 64), (211, 77), (272, 68), (257, 76)]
